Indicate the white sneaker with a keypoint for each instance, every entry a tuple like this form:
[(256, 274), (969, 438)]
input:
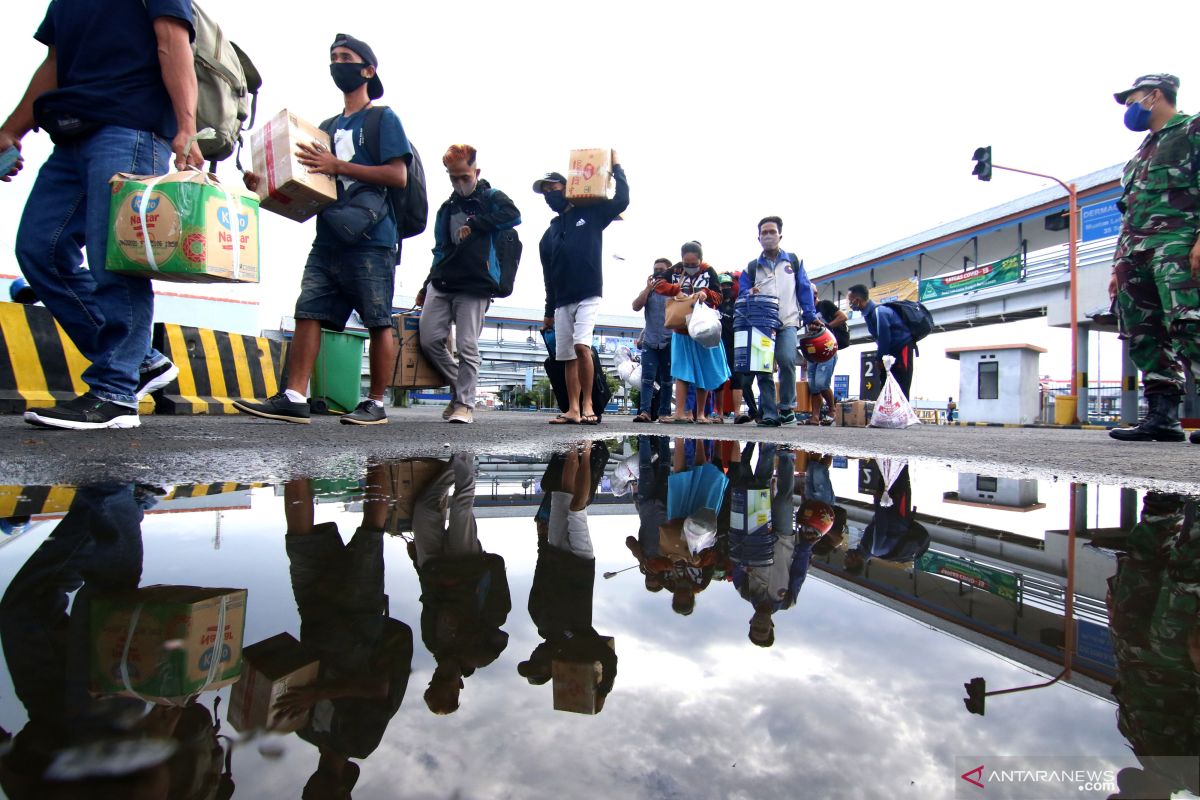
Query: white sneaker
[(462, 416), (449, 409)]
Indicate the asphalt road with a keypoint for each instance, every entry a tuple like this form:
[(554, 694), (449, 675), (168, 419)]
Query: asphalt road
[(173, 450)]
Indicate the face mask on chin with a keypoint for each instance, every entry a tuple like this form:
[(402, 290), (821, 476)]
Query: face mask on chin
[(347, 77)]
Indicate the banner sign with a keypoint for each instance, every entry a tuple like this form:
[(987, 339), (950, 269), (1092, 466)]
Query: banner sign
[(997, 582), (1100, 221), (986, 276)]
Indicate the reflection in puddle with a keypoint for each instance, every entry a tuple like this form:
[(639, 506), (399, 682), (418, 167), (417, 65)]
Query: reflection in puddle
[(259, 640)]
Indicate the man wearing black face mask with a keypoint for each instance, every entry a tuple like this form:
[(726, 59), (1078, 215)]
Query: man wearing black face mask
[(343, 276), (571, 252), (1156, 266), (465, 269)]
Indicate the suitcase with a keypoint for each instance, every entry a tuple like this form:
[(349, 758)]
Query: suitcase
[(556, 372)]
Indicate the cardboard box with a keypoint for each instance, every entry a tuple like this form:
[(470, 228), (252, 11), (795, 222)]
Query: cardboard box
[(855, 413), (269, 669), (589, 177), (803, 396), (406, 480), (413, 370), (184, 229), (159, 643), (575, 682), (287, 187)]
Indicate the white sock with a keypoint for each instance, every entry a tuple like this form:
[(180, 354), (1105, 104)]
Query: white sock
[(378, 403), (295, 396)]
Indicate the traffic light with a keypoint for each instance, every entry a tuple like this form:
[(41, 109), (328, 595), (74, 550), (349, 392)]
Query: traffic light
[(976, 693), (983, 163)]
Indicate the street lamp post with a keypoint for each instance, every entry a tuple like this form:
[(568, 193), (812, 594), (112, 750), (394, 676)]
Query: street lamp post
[(983, 171)]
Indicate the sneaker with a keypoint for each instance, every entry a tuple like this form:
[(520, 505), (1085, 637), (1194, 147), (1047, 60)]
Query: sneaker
[(462, 416), (84, 413), (787, 418), (449, 409), (368, 413), (156, 378), (276, 407), (768, 422)]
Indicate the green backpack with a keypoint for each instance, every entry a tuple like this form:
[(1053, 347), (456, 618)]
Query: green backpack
[(227, 84)]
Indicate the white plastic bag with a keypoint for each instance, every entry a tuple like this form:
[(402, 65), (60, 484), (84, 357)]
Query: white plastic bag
[(892, 409), (891, 469), (705, 326)]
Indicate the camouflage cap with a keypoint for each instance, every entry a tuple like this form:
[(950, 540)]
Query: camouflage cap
[(1157, 80)]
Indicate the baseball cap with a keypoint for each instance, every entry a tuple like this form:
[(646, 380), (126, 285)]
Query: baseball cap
[(374, 86), (549, 177), (725, 277), (1156, 80)]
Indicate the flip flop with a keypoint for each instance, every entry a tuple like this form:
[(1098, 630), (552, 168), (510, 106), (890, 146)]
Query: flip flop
[(589, 419), (563, 419)]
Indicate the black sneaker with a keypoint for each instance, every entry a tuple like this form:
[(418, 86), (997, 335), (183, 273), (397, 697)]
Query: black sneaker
[(84, 413), (368, 413), (276, 407), (156, 378), (768, 422)]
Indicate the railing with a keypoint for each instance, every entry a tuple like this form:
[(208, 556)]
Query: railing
[(1104, 401)]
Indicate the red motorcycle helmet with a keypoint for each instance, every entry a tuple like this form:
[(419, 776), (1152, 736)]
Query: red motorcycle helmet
[(818, 346), (816, 516)]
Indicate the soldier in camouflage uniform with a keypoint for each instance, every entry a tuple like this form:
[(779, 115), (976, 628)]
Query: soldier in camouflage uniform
[(1157, 260), (1154, 613)]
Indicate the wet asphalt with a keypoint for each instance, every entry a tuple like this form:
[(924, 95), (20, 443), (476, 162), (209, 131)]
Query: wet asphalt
[(173, 450)]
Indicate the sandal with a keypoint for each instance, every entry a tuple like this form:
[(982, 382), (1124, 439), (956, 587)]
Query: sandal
[(683, 420), (563, 419), (589, 419), (667, 420), (643, 417), (742, 419)]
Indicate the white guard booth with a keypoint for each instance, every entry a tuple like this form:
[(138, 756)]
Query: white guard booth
[(998, 383)]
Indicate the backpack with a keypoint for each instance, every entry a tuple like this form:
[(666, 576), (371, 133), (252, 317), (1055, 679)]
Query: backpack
[(227, 84), (916, 317), (410, 205), (502, 271)]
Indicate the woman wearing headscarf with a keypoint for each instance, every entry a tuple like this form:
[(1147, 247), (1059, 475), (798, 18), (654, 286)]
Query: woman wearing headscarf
[(704, 368)]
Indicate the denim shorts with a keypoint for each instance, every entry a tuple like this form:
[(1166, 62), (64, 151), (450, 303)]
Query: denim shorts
[(340, 280), (820, 376)]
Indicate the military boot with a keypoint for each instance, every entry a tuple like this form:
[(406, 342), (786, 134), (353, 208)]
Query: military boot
[(1160, 425)]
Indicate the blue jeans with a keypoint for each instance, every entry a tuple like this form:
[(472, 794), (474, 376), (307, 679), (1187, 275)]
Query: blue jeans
[(656, 368), (338, 280), (107, 316), (820, 376), (785, 357)]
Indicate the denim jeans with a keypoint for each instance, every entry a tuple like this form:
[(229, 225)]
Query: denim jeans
[(656, 367), (108, 316), (785, 358)]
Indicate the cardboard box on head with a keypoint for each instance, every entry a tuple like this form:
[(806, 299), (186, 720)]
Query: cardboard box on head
[(166, 644), (589, 177), (185, 227), (287, 187), (413, 370), (270, 668)]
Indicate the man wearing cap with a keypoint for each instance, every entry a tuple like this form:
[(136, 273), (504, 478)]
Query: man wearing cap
[(343, 276), (571, 252), (1157, 261)]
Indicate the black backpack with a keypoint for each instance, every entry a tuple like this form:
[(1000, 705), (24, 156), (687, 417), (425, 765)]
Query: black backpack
[(508, 255), (916, 317), (410, 205)]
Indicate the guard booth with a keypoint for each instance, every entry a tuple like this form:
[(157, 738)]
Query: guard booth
[(999, 383)]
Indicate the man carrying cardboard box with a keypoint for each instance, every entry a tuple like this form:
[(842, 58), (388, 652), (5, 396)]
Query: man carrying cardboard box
[(571, 253), (467, 269), (344, 275), (108, 109)]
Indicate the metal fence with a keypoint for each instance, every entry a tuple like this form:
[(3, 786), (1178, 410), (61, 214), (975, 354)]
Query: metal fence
[(1104, 401)]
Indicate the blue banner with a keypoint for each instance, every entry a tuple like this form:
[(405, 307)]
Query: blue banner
[(1099, 221)]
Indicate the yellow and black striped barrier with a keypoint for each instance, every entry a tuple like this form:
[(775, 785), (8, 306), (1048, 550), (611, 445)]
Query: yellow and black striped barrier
[(39, 365), (29, 501), (216, 368), (209, 489)]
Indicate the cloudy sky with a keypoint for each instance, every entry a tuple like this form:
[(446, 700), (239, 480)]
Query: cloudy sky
[(855, 122)]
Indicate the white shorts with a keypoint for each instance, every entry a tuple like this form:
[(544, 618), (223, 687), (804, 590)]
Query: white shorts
[(573, 324)]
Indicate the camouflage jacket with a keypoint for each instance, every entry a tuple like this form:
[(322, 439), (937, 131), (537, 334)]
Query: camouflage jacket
[(1161, 198)]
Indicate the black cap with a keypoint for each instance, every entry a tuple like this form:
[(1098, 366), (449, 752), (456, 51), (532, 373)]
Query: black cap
[(1157, 80), (549, 177), (374, 86)]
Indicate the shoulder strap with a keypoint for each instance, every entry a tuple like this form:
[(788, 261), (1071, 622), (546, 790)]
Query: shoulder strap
[(371, 126), (751, 268)]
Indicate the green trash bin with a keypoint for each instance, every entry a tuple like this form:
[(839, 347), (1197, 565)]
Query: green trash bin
[(337, 375)]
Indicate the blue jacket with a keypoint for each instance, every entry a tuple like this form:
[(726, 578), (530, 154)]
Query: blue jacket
[(804, 291), (887, 328), (471, 267), (571, 248)]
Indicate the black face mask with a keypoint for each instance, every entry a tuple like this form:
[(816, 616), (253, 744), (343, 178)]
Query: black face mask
[(557, 201), (348, 77)]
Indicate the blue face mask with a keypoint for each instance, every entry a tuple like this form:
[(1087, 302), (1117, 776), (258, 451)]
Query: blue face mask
[(1137, 117), (556, 200)]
